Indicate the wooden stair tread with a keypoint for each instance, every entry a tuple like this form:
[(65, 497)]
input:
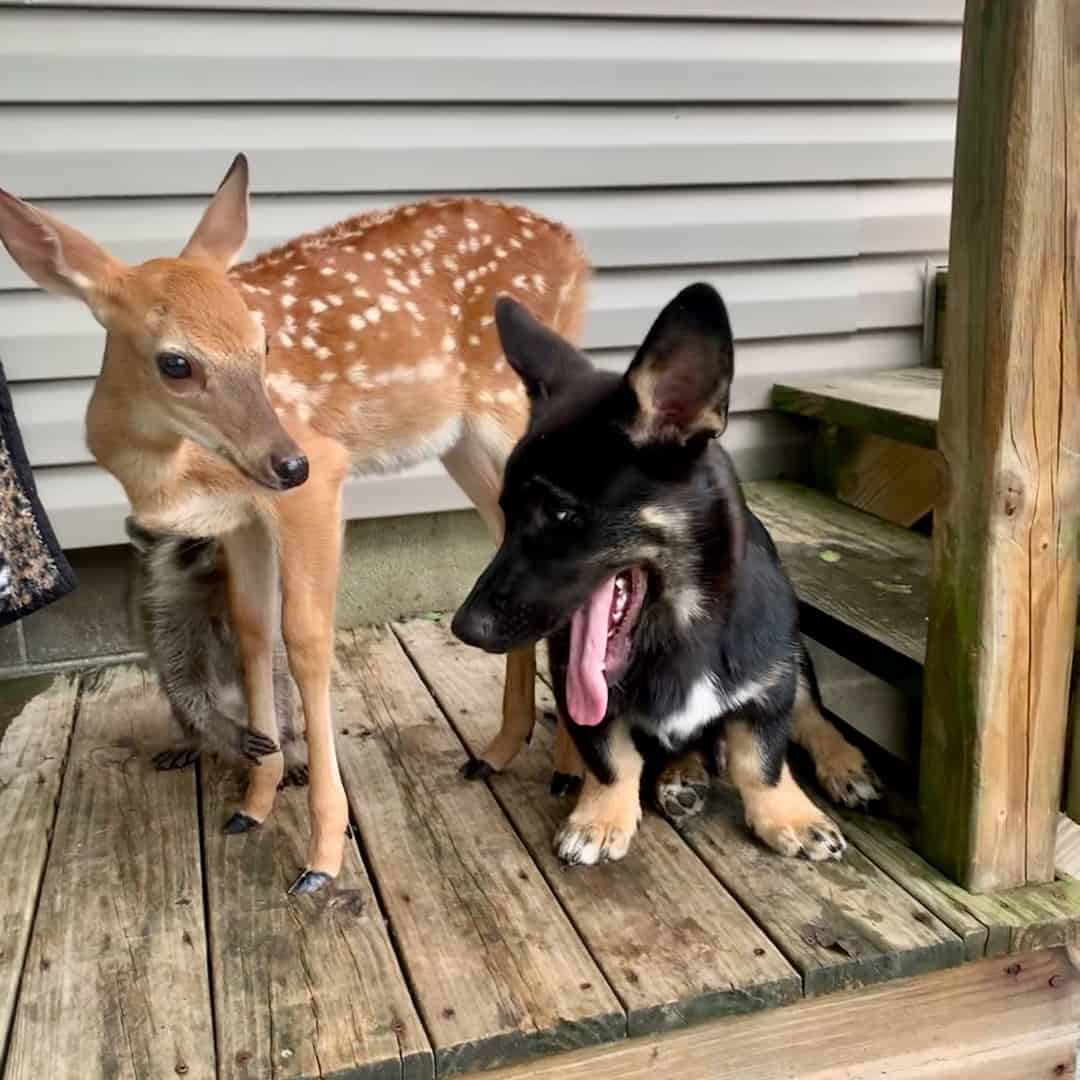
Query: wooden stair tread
[(862, 582), (898, 404)]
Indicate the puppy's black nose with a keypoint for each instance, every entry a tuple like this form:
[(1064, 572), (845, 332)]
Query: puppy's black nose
[(474, 625), (292, 471)]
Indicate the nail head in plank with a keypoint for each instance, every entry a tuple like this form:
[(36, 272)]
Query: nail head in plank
[(304, 986), (32, 755), (842, 924), (860, 573), (1016, 920), (670, 939), (901, 404), (116, 974), (497, 970)]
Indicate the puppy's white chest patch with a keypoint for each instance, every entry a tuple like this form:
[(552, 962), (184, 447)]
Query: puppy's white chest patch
[(704, 703)]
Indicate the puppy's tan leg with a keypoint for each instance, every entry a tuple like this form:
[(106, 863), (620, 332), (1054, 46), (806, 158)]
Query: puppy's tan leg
[(606, 817), (778, 811), (842, 771), (518, 715), (682, 788), (253, 612)]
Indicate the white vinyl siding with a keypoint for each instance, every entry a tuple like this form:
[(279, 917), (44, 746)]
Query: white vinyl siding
[(796, 153)]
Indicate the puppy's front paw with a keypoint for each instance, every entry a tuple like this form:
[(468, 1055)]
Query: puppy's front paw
[(847, 778), (807, 835), (589, 842)]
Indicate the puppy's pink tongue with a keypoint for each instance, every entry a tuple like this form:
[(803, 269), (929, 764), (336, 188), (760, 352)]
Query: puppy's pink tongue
[(586, 686)]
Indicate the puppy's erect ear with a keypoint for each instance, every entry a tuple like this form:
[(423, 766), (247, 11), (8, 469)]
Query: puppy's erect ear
[(681, 375), (545, 361)]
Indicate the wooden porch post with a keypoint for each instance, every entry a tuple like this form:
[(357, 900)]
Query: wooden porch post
[(1004, 563)]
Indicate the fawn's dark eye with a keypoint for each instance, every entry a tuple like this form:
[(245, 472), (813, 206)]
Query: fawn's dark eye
[(174, 366)]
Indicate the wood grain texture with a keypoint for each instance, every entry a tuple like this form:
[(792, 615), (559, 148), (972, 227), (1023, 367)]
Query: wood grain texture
[(1004, 564), (901, 405), (842, 924), (670, 939), (1067, 851), (116, 980), (861, 582), (986, 1020), (892, 480), (497, 970), (304, 986), (32, 756)]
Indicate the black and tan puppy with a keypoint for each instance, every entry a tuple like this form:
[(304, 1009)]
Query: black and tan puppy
[(671, 623)]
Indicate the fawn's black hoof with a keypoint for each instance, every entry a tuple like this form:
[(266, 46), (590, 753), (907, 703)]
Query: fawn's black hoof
[(240, 823), (476, 769), (309, 881), (564, 783)]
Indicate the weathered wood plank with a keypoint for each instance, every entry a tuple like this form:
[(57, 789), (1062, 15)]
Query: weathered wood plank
[(32, 755), (672, 942), (892, 480), (841, 924), (497, 970), (1067, 851), (116, 981), (1014, 920), (1004, 568), (862, 582), (901, 405), (303, 986), (987, 1020)]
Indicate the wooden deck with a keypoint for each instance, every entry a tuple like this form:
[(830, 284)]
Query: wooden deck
[(137, 940)]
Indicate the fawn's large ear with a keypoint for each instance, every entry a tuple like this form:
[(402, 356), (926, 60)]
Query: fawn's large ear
[(544, 361), (56, 256), (681, 375), (222, 232)]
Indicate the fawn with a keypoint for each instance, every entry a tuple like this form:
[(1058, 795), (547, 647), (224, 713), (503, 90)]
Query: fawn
[(233, 402)]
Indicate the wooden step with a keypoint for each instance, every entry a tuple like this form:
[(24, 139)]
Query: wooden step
[(901, 405), (862, 582)]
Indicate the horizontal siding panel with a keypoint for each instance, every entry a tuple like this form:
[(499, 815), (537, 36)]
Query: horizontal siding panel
[(617, 228), (84, 151), (51, 413), (933, 11), (87, 507), (50, 56), (50, 337)]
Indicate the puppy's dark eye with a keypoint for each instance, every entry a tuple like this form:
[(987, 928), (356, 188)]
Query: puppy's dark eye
[(564, 517), (173, 365)]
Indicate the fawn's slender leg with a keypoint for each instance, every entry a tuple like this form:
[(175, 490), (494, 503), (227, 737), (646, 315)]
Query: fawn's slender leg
[(476, 465), (310, 563), (254, 612)]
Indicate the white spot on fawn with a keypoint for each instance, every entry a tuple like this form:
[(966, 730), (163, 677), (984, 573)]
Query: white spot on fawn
[(356, 322), (285, 339), (334, 300), (373, 314), (317, 306), (448, 343), (328, 271), (388, 302), (287, 300), (471, 225), (474, 339), (308, 342), (323, 353)]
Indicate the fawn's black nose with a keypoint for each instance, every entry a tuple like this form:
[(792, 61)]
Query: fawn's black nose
[(292, 471)]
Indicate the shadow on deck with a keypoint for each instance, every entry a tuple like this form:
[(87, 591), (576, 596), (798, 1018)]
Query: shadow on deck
[(137, 940)]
